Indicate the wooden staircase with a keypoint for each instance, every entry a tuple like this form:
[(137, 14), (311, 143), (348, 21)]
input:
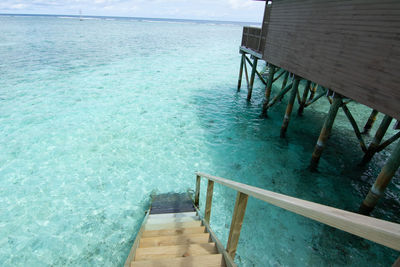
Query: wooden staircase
[(172, 234), (173, 239)]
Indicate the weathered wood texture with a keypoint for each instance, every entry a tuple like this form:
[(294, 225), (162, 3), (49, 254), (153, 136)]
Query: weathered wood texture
[(209, 197), (349, 46), (236, 225)]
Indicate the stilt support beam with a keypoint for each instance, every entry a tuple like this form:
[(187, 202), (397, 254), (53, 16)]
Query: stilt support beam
[(258, 74), (384, 178), (313, 90), (289, 107), (380, 133), (241, 71), (355, 127), (392, 139), (325, 132), (253, 75), (321, 94), (370, 122), (304, 98)]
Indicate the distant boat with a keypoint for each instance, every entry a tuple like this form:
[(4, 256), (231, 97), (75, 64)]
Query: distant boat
[(80, 15)]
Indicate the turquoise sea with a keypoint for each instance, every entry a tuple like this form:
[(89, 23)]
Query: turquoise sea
[(97, 114)]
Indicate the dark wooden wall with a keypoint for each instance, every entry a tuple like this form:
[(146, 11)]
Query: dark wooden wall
[(349, 46)]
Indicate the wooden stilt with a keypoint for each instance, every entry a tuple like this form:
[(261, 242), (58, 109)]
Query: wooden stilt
[(380, 133), (313, 90), (370, 122), (298, 96), (384, 178), (280, 94), (241, 71), (289, 107), (285, 79), (268, 89), (246, 72), (258, 74), (253, 75), (325, 131), (304, 98)]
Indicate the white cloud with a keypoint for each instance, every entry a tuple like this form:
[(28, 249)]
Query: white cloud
[(243, 10), (18, 6), (237, 4)]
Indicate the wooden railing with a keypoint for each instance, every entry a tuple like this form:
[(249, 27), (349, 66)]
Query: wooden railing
[(380, 231), (252, 38)]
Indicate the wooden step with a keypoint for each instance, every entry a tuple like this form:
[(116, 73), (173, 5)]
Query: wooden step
[(193, 261), (176, 231), (175, 251), (172, 220), (173, 225), (175, 215), (173, 240)]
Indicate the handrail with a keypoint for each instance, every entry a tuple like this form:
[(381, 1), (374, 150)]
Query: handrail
[(380, 231)]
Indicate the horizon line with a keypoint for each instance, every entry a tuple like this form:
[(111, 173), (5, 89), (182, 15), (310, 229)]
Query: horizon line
[(216, 20)]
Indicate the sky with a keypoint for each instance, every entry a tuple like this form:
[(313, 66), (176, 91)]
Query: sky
[(229, 10)]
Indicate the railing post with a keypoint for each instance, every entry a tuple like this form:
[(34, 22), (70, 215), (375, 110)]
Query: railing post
[(207, 213), (197, 193), (236, 225)]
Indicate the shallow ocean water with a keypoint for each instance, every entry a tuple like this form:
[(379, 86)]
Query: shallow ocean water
[(96, 115)]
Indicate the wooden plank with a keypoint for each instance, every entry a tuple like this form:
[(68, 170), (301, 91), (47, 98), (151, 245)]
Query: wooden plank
[(136, 242), (173, 215), (173, 240), (175, 251), (207, 213), (236, 224), (176, 231), (251, 52), (172, 225), (380, 231), (151, 221), (215, 260)]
